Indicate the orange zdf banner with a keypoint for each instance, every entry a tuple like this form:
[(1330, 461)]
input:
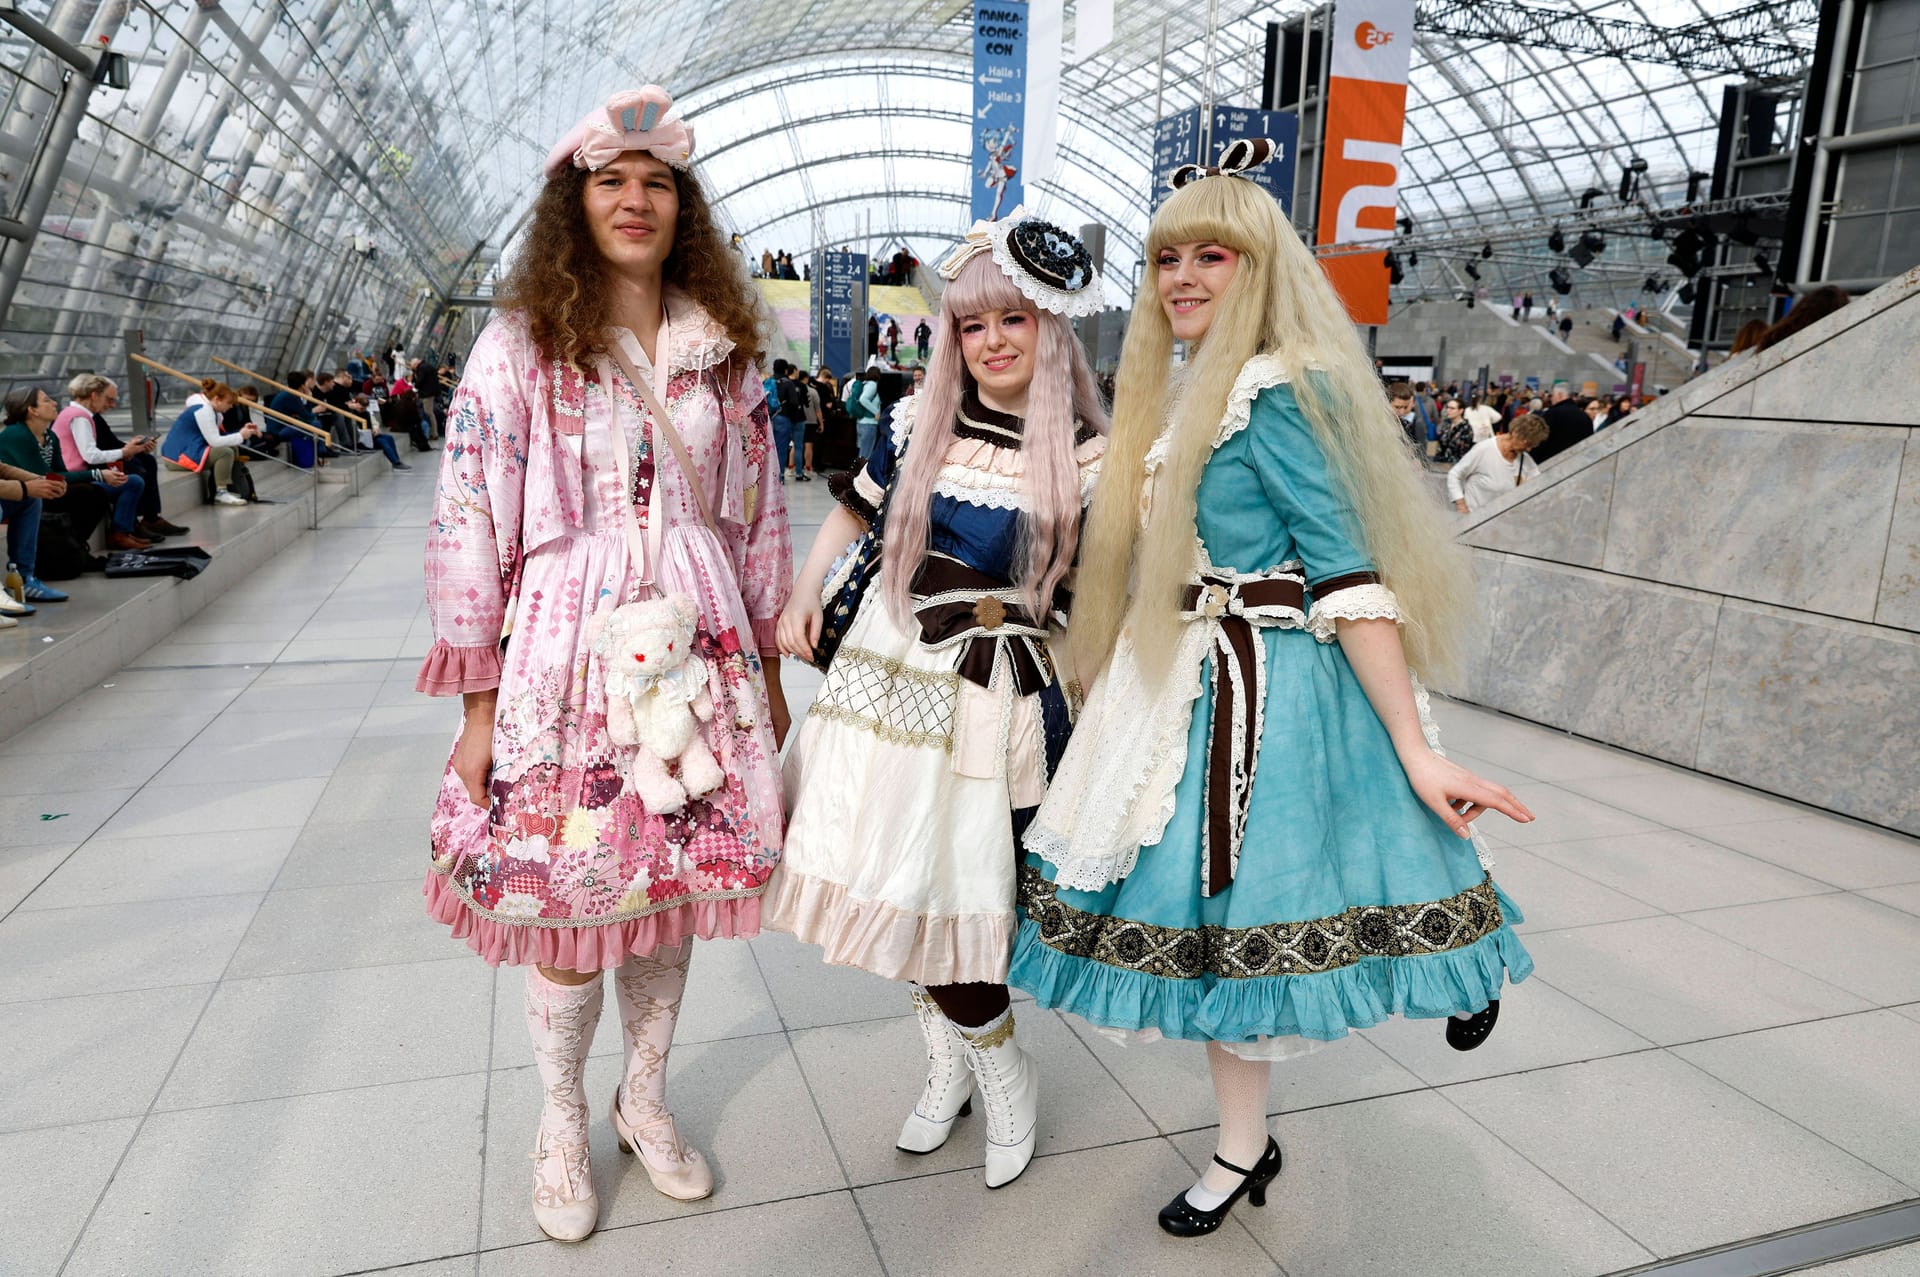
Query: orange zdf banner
[(1366, 118)]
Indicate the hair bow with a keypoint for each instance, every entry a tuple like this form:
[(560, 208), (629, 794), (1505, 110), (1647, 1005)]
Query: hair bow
[(979, 239), (1237, 158), (632, 120)]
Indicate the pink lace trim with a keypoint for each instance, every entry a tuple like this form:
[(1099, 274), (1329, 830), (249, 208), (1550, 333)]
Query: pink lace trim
[(450, 670), (887, 940), (588, 948)]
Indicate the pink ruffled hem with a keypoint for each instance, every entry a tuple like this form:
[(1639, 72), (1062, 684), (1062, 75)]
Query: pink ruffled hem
[(765, 635), (887, 940), (450, 670), (588, 948)]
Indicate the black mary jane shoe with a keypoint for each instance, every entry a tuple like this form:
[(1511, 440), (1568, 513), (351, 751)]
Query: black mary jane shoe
[(1183, 1219), (1464, 1035)]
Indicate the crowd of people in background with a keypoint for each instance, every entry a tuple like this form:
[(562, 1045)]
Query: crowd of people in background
[(65, 472)]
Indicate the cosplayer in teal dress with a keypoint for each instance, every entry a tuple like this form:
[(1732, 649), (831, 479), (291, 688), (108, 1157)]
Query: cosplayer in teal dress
[(1179, 880)]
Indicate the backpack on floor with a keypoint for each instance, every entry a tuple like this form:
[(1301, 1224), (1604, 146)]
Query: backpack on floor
[(60, 556)]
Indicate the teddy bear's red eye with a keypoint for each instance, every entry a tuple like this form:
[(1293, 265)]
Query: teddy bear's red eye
[(639, 656), (669, 647)]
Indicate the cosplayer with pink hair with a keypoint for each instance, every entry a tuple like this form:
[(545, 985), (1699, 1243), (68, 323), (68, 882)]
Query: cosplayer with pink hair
[(947, 700)]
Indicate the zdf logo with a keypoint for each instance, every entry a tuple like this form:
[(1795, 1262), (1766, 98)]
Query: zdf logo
[(1370, 37)]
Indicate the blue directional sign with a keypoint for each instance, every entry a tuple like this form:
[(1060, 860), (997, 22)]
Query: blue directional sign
[(999, 105), (1177, 140), (840, 311)]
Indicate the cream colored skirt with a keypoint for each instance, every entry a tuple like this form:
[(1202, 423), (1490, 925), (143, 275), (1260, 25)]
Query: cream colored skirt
[(901, 785)]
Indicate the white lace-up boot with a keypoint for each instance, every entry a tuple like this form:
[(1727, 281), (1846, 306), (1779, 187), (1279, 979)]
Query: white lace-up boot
[(948, 1093), (1010, 1088)]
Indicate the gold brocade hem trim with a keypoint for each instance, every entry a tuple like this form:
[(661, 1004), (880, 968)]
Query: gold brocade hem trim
[(899, 703), (1278, 948), (998, 1036), (619, 915)]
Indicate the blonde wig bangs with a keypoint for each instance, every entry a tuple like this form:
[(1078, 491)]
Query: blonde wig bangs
[(1278, 303)]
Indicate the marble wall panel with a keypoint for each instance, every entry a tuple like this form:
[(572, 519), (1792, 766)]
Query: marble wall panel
[(1775, 511), (1616, 659), (1863, 373), (1566, 522), (1470, 680), (1816, 709), (1900, 579)]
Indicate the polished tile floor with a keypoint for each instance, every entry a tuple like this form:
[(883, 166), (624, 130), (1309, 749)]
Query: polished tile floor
[(232, 1043)]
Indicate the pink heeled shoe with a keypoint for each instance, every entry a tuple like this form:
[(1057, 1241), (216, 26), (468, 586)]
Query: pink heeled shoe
[(689, 1181)]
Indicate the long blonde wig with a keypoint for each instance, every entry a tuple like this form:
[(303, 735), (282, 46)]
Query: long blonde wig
[(1280, 303)]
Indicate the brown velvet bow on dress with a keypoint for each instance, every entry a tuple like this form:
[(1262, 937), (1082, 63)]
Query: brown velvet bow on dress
[(956, 604)]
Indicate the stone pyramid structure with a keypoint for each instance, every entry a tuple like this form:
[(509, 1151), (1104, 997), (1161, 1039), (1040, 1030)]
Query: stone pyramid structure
[(1730, 579)]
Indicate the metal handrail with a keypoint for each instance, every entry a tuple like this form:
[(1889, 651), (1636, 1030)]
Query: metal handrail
[(320, 437)]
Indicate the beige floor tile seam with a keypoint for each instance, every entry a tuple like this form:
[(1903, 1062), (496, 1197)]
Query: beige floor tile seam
[(1507, 1144), (706, 1213), (184, 745), (486, 1118), (144, 900), (199, 1018), (1791, 1121), (1757, 861), (1686, 918)]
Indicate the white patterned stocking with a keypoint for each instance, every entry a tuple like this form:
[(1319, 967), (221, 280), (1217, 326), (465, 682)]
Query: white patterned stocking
[(560, 1019), (649, 991)]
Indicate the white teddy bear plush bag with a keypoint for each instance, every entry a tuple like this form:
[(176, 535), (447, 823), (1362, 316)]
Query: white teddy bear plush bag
[(658, 688), (657, 698)]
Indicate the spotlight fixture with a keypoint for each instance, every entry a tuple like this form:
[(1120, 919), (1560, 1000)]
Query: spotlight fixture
[(1413, 259), (1694, 181), (1687, 293), (1562, 281), (1473, 272), (1556, 242), (1650, 285), (1687, 247), (1582, 255), (1486, 250), (1392, 262), (1591, 194), (1763, 263), (1469, 301), (1593, 241), (1406, 225)]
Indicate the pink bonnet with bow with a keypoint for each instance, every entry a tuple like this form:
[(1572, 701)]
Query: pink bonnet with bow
[(632, 120)]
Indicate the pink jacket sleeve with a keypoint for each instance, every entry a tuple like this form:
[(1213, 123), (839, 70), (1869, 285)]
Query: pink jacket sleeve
[(473, 543), (764, 556)]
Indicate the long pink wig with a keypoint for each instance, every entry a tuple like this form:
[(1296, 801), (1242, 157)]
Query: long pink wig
[(1062, 395)]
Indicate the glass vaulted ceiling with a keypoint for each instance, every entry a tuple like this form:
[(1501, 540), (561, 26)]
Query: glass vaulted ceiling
[(230, 204)]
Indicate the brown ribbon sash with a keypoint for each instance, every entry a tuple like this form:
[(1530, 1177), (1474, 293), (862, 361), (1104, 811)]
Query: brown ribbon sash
[(985, 623), (1239, 696)]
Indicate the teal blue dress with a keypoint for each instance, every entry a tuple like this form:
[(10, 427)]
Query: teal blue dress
[(1350, 901)]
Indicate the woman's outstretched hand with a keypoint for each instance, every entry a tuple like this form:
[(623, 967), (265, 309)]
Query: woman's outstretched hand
[(1458, 796)]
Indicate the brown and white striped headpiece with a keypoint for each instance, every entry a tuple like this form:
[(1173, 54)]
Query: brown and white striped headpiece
[(1236, 159)]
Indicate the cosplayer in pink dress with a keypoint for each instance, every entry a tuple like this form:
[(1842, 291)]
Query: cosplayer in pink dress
[(596, 854)]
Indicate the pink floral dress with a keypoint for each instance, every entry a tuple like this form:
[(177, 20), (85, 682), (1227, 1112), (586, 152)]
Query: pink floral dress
[(567, 867)]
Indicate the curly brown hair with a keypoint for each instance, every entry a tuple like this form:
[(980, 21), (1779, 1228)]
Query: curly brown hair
[(556, 278)]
